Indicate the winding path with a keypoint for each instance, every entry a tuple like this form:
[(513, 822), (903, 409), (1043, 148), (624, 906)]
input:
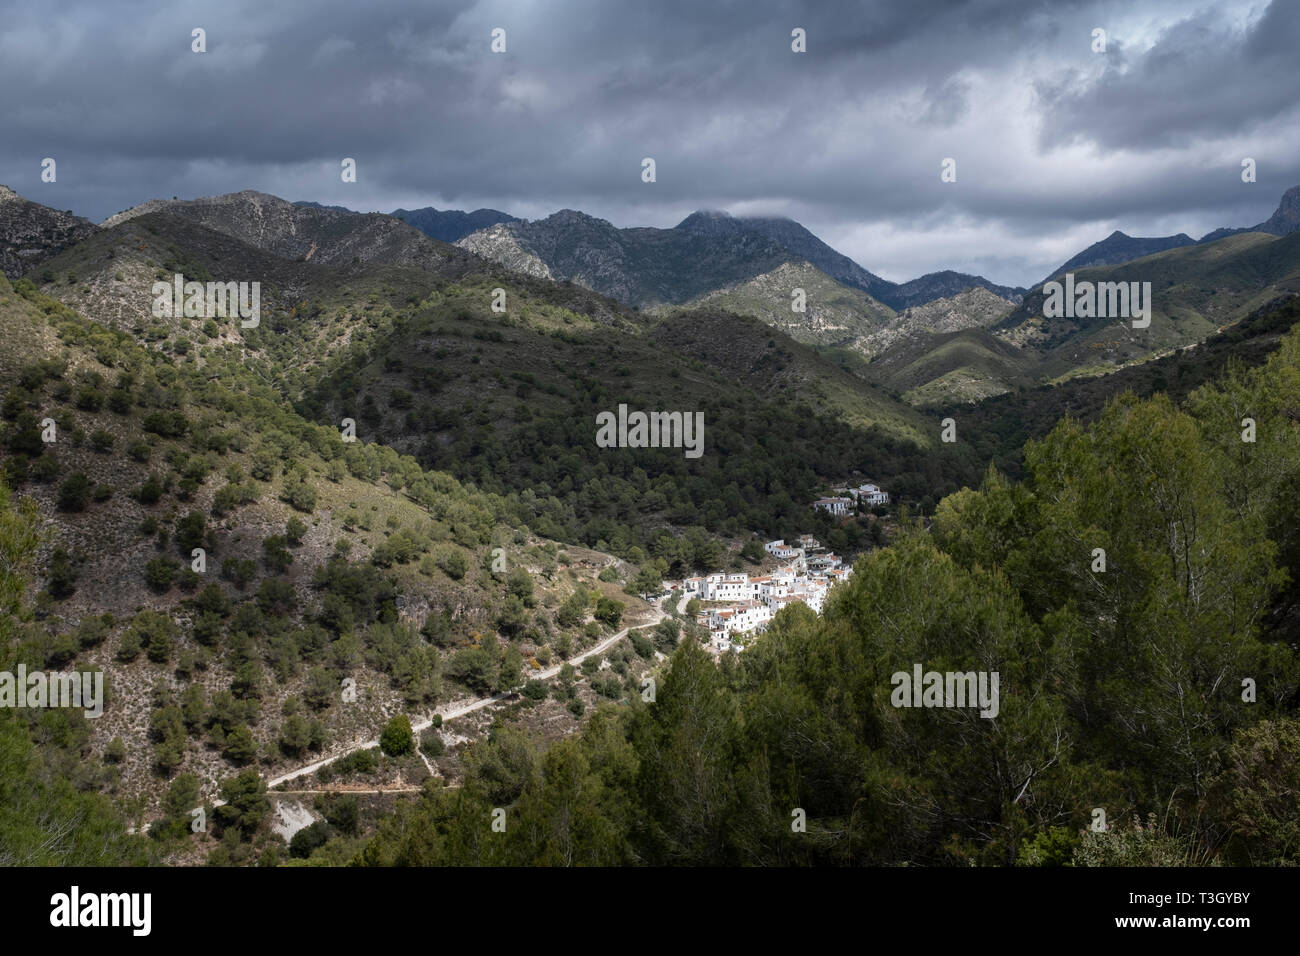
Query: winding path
[(460, 710)]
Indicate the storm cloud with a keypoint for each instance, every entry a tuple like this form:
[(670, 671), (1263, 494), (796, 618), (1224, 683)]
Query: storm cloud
[(1056, 145)]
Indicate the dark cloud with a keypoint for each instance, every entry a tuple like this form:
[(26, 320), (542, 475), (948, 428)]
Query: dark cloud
[(1206, 76), (1056, 146)]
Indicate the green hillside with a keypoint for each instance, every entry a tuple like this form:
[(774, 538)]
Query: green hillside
[(834, 314), (1121, 686), (321, 560), (1196, 290), (930, 369)]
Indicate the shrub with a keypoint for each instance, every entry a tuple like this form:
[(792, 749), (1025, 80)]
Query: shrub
[(74, 492), (159, 573), (453, 564), (275, 555), (128, 648), (299, 493), (63, 574), (189, 531), (609, 611), (474, 667), (155, 632), (238, 571), (309, 839), (90, 399), (397, 739), (360, 761), (294, 530), (150, 490), (240, 747), (432, 744), (92, 631), (45, 469)]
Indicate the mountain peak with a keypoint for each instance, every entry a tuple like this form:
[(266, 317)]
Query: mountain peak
[(1286, 219), (568, 217), (701, 216), (245, 196), (714, 222)]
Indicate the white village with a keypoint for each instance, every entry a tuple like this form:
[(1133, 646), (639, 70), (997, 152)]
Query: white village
[(744, 605)]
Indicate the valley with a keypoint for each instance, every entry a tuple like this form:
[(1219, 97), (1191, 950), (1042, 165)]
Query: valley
[(372, 546)]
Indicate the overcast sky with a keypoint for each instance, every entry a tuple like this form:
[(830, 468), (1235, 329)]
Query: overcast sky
[(1056, 145)]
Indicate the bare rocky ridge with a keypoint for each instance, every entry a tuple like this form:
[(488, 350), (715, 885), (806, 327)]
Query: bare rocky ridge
[(640, 267), (707, 252), (31, 233), (307, 233), (973, 308), (499, 244), (834, 314)]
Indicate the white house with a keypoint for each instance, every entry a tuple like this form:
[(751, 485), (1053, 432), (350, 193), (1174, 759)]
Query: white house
[(739, 618), (833, 506), (824, 562), (869, 494), (730, 587)]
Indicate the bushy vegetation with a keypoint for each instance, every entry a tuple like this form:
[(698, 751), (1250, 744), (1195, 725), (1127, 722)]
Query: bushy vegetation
[(1162, 688)]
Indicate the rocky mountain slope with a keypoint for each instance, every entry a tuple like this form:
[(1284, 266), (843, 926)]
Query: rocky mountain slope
[(641, 267), (975, 307), (31, 233), (1196, 290), (323, 562), (1284, 221), (306, 233), (943, 285), (1118, 248), (832, 314), (706, 252)]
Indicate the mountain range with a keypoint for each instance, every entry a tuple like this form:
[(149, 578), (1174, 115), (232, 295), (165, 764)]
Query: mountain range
[(942, 337), (1118, 248), (652, 268), (446, 225)]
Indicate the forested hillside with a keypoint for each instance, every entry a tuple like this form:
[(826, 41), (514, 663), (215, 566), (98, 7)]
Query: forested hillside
[(231, 569), (1160, 687)]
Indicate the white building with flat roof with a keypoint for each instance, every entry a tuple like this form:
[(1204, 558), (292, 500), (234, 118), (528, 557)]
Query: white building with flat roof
[(868, 494)]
